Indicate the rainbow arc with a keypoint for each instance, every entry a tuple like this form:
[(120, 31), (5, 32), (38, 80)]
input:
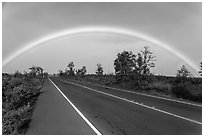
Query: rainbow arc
[(102, 29)]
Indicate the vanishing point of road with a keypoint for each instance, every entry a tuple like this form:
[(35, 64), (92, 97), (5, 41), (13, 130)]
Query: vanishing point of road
[(74, 107)]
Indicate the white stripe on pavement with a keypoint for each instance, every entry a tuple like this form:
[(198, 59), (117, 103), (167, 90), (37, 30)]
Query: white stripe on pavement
[(173, 100), (84, 118), (140, 104)]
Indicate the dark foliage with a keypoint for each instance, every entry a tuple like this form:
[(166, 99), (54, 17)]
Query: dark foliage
[(19, 94), (184, 92)]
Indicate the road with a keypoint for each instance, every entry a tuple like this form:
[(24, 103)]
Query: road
[(54, 115), (118, 112)]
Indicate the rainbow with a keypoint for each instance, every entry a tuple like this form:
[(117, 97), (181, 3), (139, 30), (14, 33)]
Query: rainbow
[(103, 29)]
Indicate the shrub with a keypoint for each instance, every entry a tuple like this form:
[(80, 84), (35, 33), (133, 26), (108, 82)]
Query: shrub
[(182, 91), (16, 121), (160, 86), (14, 82), (18, 98)]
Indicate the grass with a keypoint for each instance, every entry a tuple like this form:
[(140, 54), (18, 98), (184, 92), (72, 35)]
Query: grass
[(19, 95)]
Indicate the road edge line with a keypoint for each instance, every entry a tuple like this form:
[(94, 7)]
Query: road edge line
[(143, 94), (77, 110), (172, 100), (155, 109)]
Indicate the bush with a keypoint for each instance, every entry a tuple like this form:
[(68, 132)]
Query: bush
[(14, 82), (16, 121), (18, 97), (160, 86), (183, 92)]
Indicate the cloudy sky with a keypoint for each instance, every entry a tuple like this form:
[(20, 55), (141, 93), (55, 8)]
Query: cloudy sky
[(178, 25)]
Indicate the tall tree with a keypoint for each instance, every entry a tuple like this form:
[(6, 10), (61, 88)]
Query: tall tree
[(124, 64), (183, 74), (145, 61), (99, 70), (71, 68)]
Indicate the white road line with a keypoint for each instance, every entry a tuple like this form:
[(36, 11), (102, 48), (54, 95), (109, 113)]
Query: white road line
[(84, 118), (140, 104), (173, 100)]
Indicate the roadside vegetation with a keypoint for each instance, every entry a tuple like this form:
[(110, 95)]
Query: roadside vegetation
[(133, 71), (19, 95)]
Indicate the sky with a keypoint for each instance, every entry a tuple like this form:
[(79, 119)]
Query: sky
[(178, 25)]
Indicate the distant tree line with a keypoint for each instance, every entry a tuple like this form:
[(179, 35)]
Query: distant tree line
[(70, 71), (129, 68), (34, 71)]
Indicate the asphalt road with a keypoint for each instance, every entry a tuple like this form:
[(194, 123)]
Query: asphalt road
[(118, 112), (54, 115)]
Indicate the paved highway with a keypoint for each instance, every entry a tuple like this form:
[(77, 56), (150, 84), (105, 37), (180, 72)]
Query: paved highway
[(114, 111), (54, 115)]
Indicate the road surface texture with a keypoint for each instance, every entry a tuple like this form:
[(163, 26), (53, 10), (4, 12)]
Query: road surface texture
[(118, 112), (54, 115)]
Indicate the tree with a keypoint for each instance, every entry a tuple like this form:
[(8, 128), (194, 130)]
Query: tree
[(145, 61), (139, 61), (99, 70), (32, 71), (60, 73), (39, 71), (124, 64), (71, 68), (182, 74), (200, 72), (180, 89), (81, 72)]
